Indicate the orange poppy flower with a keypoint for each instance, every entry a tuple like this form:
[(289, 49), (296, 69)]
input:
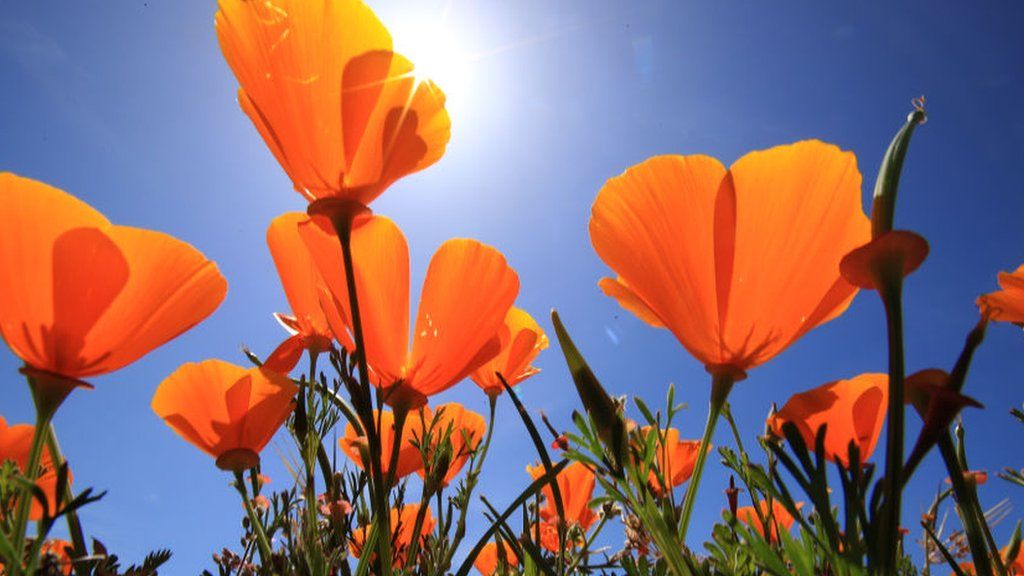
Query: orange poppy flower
[(343, 114), (83, 297), (227, 411), (402, 524), (1006, 305), (676, 459), (576, 485), (467, 430), (780, 518), (15, 444), (854, 410), (467, 292), (521, 340), (487, 560), (409, 458), (58, 550), (737, 263), (302, 284)]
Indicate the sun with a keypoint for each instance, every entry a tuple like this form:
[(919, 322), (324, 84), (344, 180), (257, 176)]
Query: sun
[(434, 45)]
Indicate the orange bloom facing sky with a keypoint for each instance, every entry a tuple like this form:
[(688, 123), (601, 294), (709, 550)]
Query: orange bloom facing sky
[(83, 297), (467, 292), (781, 518), (1006, 305), (227, 411), (521, 341), (409, 458), (576, 484), (676, 459), (737, 263), (402, 524), (343, 114), (854, 410), (15, 444), (467, 430), (487, 560)]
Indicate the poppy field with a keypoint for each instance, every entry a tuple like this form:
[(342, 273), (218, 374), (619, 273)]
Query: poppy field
[(371, 426)]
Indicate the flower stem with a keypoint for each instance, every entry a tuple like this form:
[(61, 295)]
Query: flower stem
[(74, 525), (257, 526), (378, 484), (31, 471), (721, 385), (890, 289)]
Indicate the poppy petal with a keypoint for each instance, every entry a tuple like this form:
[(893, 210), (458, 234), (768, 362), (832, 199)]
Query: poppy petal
[(289, 56), (171, 287), (468, 290), (299, 276), (798, 212), (220, 407), (34, 216), (653, 225)]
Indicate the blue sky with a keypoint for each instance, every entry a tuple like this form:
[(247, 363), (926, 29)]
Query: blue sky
[(130, 106)]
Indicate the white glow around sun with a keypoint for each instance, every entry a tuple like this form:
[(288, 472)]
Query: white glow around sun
[(435, 49)]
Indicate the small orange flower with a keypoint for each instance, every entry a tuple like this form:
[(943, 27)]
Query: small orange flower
[(487, 560), (467, 430), (15, 445), (83, 297), (737, 263), (227, 411), (975, 477), (302, 285), (576, 485), (58, 549), (676, 459), (854, 410), (343, 114), (402, 524), (409, 458), (1006, 305), (521, 341), (467, 292), (780, 517)]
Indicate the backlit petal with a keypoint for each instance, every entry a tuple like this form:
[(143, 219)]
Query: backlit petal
[(381, 262), (654, 225), (299, 277), (853, 409), (467, 292), (798, 212), (34, 216), (521, 340), (171, 287)]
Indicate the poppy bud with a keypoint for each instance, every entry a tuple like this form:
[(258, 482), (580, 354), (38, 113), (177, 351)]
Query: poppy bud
[(732, 493), (607, 416)]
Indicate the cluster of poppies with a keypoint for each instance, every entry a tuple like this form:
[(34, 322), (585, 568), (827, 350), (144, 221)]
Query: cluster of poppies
[(738, 263)]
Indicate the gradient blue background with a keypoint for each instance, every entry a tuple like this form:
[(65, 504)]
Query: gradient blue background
[(130, 106)]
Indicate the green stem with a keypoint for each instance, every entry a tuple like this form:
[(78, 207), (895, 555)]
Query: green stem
[(721, 385), (74, 525), (460, 526), (30, 472), (378, 486), (254, 520), (970, 509), (890, 290)]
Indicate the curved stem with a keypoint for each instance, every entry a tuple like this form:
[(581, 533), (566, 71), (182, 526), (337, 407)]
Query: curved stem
[(721, 385)]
